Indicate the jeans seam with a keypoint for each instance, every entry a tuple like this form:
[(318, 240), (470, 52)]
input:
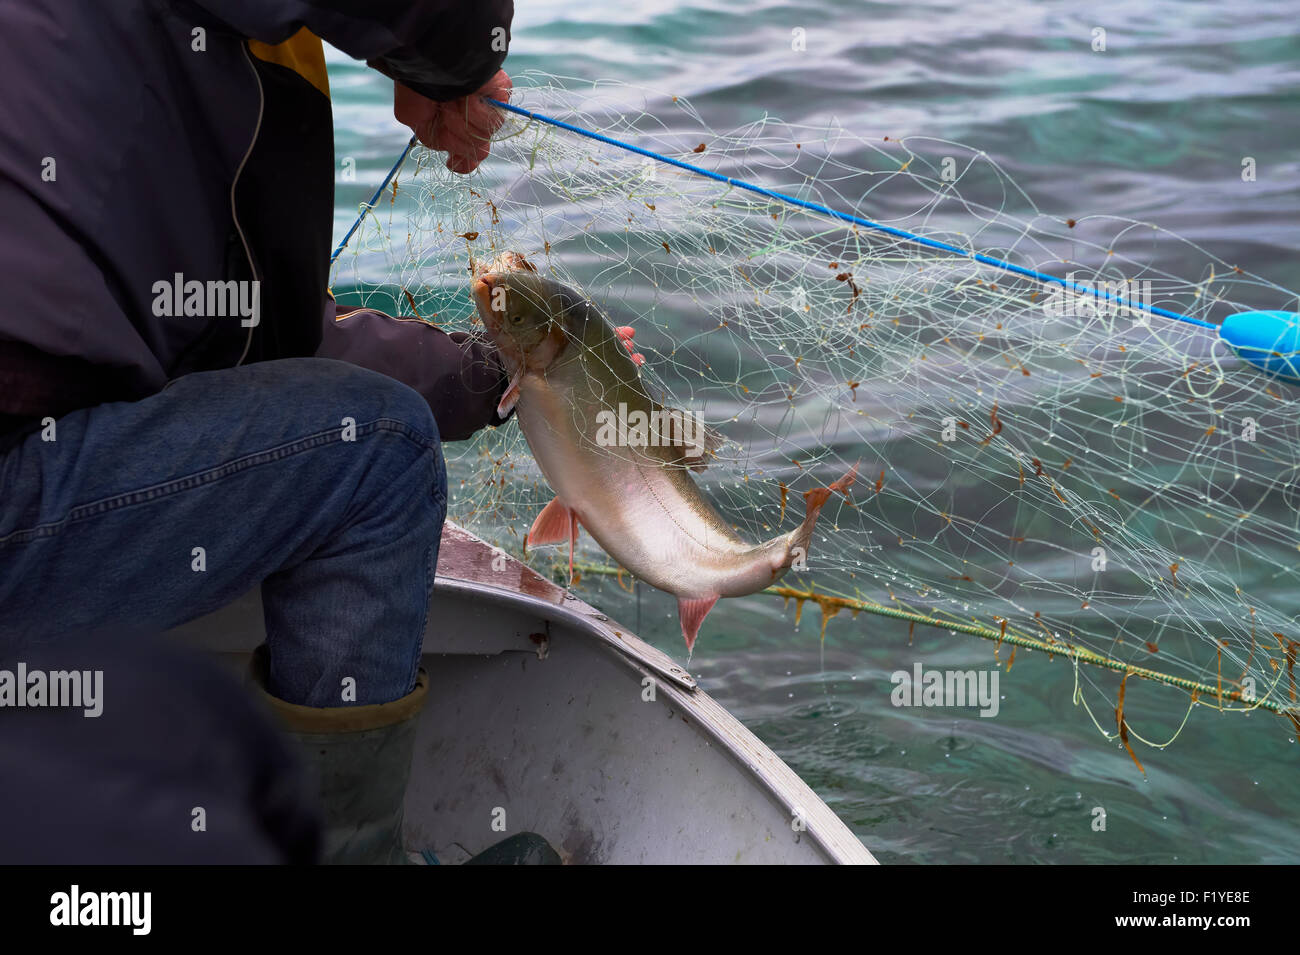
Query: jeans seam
[(430, 566), (209, 476), (429, 572)]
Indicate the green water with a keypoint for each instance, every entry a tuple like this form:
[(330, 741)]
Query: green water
[(1155, 127)]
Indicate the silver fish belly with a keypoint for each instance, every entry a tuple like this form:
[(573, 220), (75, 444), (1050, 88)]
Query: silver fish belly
[(636, 508)]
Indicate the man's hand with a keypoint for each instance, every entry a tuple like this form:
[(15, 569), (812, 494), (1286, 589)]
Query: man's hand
[(462, 127)]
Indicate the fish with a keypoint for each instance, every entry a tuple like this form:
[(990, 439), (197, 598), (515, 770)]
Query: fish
[(620, 462)]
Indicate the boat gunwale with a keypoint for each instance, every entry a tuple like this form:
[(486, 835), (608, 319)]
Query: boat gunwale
[(836, 841)]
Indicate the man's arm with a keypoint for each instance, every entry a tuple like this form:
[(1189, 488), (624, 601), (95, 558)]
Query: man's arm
[(441, 49), (439, 53), (459, 376)]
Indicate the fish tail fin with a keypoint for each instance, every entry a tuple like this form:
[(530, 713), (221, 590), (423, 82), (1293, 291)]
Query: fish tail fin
[(814, 501)]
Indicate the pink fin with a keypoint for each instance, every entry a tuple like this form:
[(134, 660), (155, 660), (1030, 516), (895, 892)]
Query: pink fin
[(692, 612), (554, 525), (573, 539), (510, 396), (507, 402), (625, 334)]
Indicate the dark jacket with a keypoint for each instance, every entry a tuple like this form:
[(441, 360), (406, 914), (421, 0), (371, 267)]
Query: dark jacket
[(141, 138)]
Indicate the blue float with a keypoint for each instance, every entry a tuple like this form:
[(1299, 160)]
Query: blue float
[(1269, 340)]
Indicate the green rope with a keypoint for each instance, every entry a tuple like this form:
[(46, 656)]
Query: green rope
[(1069, 652)]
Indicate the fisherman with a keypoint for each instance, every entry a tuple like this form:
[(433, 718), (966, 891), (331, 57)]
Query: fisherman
[(168, 439)]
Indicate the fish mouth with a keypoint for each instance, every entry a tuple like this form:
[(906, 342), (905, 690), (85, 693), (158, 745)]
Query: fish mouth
[(511, 356), (481, 290), (488, 276), (508, 262)]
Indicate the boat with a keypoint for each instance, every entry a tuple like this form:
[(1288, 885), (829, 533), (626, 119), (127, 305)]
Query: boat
[(546, 716)]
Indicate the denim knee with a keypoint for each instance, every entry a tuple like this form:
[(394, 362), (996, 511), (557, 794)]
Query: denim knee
[(366, 395)]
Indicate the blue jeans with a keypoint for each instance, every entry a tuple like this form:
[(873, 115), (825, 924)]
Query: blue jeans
[(322, 481)]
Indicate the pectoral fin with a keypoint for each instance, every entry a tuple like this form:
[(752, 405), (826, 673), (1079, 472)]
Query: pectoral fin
[(692, 611), (554, 525), (509, 396)]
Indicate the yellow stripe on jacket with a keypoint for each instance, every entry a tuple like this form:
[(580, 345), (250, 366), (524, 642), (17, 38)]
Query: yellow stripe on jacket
[(302, 53)]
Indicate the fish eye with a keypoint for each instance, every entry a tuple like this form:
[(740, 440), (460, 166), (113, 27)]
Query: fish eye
[(517, 318)]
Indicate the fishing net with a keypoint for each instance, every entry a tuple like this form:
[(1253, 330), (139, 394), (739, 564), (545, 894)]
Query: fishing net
[(1038, 468)]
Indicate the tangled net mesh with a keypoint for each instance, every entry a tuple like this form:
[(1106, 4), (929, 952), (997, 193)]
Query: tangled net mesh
[(1099, 483)]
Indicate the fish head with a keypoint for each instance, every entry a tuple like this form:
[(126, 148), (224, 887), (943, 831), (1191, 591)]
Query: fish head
[(526, 315)]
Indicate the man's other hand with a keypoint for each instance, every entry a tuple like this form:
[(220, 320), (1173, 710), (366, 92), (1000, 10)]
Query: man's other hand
[(462, 127)]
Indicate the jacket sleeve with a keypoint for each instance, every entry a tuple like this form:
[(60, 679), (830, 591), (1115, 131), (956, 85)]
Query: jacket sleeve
[(460, 376), (442, 49)]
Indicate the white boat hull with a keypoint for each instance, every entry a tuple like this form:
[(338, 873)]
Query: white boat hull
[(545, 716)]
